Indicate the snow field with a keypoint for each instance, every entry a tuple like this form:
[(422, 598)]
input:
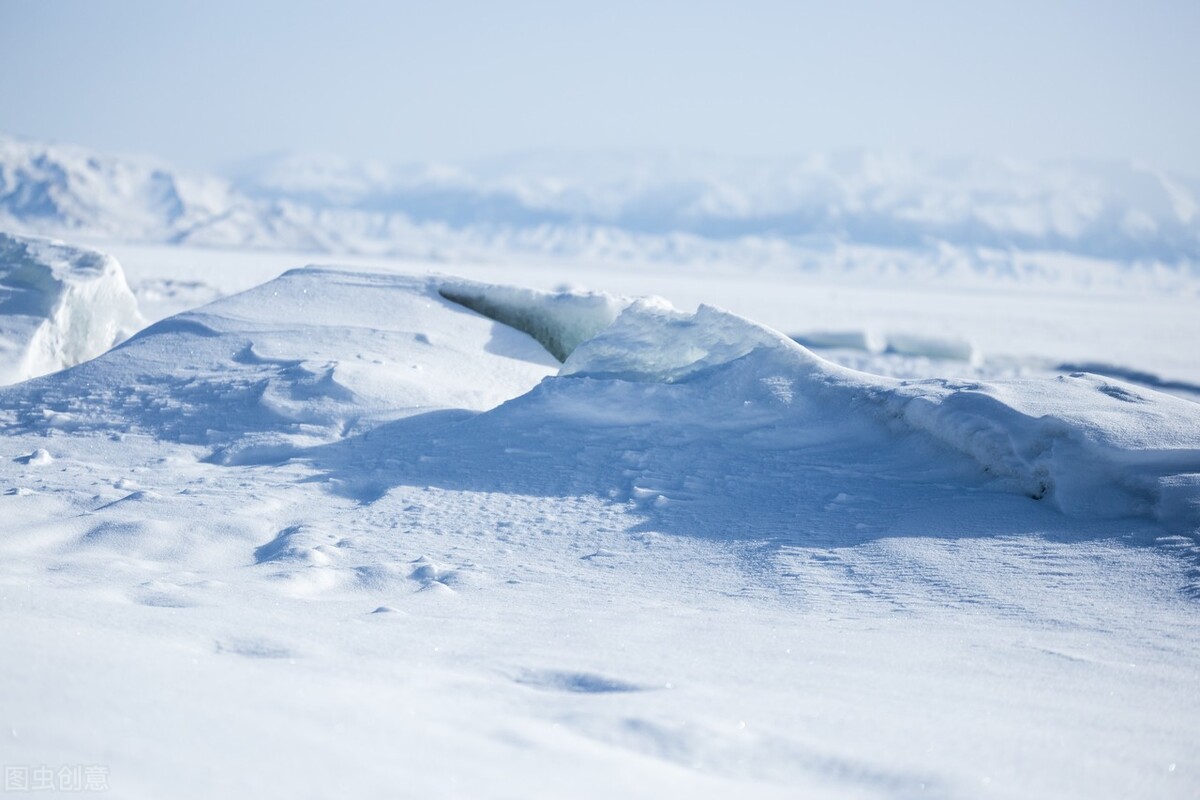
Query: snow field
[(341, 535)]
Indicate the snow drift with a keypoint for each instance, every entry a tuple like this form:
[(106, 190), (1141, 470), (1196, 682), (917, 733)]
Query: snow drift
[(59, 306), (271, 373), (1092, 445), (254, 375)]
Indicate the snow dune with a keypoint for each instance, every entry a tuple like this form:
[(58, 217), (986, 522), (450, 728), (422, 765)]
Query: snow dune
[(285, 362), (1092, 445), (260, 375)]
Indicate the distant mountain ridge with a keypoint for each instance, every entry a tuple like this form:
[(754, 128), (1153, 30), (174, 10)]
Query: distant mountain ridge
[(645, 205)]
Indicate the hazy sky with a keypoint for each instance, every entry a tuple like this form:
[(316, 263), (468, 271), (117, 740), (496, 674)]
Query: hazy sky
[(204, 83)]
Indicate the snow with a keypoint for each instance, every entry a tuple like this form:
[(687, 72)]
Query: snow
[(65, 189), (359, 532), (856, 474), (254, 371), (881, 216), (887, 199), (59, 306), (1091, 445)]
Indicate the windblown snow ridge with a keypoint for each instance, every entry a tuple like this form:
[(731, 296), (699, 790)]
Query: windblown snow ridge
[(320, 355), (59, 306), (1094, 446)]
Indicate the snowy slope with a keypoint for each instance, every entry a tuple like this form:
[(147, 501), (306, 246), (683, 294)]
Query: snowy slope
[(1092, 446), (310, 356), (343, 535), (59, 305)]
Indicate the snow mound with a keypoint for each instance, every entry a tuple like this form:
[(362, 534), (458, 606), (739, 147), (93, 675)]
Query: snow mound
[(305, 358), (59, 306), (657, 406), (1094, 446)]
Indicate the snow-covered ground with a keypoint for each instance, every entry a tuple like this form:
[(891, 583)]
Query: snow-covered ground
[(990, 327), (342, 535)]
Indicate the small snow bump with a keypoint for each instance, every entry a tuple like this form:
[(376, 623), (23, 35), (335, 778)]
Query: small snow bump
[(38, 457), (385, 610)]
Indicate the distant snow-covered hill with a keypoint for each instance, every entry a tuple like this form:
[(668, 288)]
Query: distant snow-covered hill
[(651, 206), (66, 188), (1124, 211)]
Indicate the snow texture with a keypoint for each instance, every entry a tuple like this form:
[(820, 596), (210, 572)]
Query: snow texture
[(340, 534)]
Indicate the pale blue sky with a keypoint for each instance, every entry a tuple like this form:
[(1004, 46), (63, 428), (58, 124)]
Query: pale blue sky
[(209, 82)]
